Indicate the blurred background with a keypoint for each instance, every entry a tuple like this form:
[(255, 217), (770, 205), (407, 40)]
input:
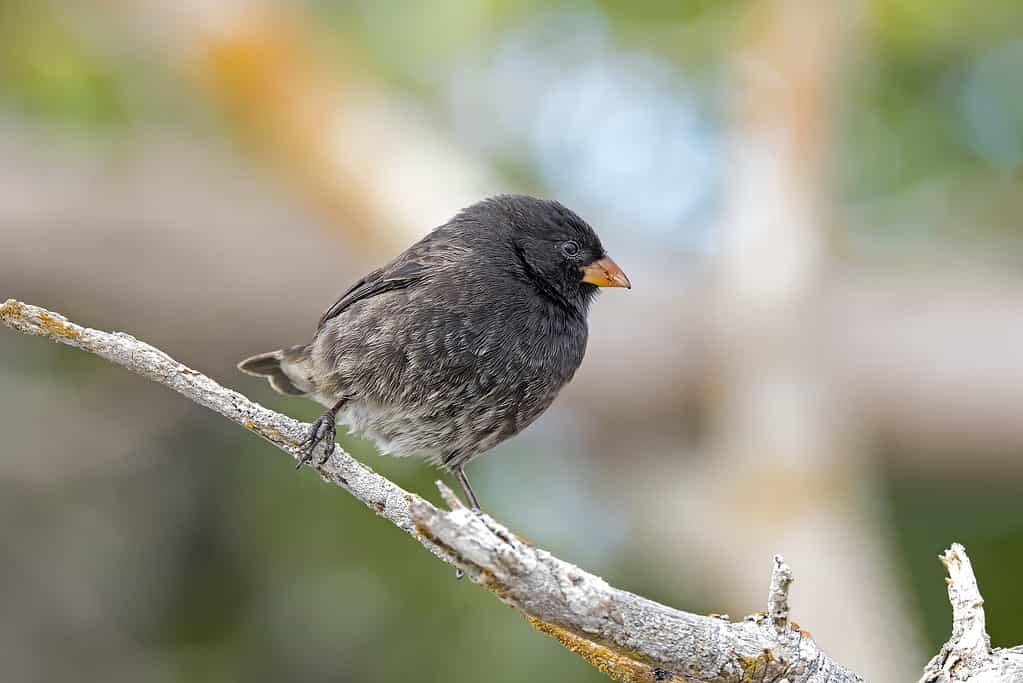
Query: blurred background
[(822, 355)]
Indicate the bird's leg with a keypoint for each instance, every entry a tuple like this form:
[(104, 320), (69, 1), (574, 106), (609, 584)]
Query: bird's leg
[(323, 430), (467, 487)]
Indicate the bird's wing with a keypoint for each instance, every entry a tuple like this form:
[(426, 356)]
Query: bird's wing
[(427, 256), (388, 279)]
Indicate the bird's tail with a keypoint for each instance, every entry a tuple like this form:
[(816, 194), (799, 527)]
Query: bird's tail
[(284, 369)]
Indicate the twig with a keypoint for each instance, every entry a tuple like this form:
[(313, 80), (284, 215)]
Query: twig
[(625, 635), (778, 595), (450, 499), (967, 657)]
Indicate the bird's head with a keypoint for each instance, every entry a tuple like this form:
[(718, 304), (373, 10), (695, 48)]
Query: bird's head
[(551, 247)]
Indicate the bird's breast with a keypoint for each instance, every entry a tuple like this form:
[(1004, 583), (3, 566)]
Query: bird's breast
[(434, 372)]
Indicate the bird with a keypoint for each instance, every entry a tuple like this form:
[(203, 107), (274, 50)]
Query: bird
[(460, 342)]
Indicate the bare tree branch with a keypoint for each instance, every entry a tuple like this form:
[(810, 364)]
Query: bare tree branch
[(967, 657), (624, 635)]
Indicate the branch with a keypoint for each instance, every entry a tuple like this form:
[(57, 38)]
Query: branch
[(624, 635), (967, 657), (778, 595)]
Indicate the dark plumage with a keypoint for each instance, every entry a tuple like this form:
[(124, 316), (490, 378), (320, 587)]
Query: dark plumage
[(461, 341)]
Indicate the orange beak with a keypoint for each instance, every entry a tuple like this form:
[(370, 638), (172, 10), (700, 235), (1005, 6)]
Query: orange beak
[(605, 273)]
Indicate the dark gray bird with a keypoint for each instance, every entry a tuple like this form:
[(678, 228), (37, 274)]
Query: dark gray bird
[(460, 342)]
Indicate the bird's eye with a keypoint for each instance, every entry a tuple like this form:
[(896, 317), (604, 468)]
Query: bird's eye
[(570, 248)]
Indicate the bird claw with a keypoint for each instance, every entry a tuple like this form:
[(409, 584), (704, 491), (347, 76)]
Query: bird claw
[(323, 430)]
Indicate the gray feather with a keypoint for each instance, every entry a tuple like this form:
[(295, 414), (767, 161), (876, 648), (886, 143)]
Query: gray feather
[(460, 342)]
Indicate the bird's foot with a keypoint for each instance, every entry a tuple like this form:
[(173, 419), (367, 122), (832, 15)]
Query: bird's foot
[(323, 430)]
